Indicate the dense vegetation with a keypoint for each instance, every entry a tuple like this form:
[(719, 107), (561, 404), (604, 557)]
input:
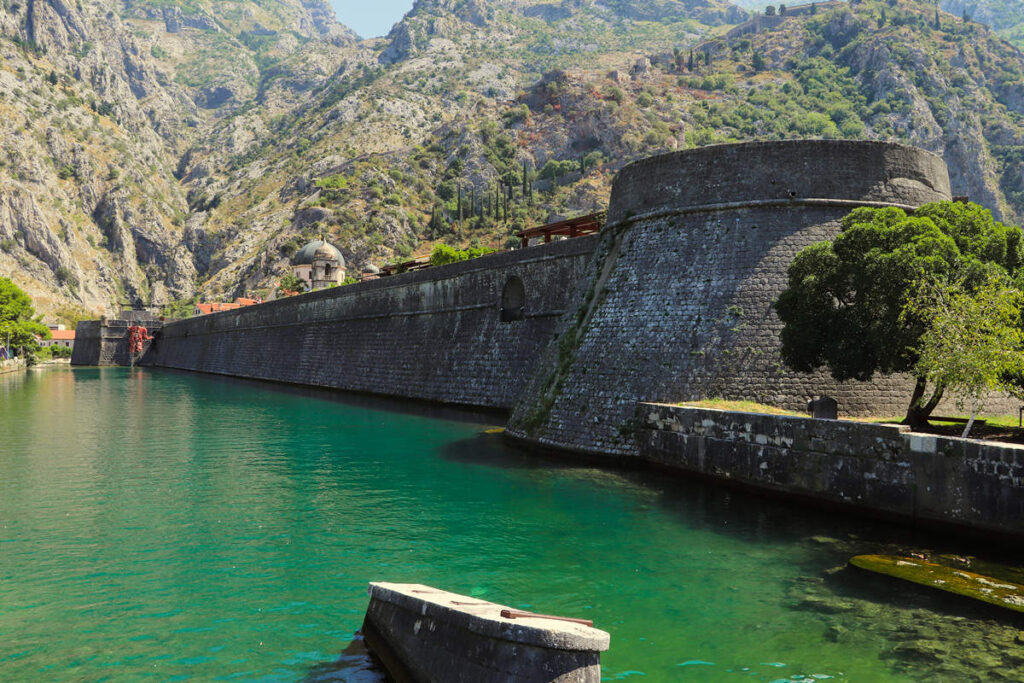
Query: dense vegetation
[(935, 294), (19, 326)]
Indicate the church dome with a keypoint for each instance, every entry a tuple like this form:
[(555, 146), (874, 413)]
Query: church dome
[(317, 249)]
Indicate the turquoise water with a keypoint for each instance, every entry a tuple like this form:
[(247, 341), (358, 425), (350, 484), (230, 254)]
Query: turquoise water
[(169, 526)]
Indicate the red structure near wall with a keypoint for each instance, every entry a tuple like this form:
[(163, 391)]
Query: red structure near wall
[(572, 227)]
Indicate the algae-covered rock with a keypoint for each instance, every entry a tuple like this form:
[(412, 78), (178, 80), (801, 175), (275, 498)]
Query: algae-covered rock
[(957, 581)]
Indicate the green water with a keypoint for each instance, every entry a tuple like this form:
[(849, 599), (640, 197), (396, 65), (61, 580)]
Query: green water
[(168, 526)]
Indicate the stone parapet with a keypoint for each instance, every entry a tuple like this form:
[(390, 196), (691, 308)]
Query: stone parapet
[(885, 470)]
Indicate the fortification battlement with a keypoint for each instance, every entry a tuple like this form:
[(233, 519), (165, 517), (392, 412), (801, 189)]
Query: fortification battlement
[(778, 173), (685, 277)]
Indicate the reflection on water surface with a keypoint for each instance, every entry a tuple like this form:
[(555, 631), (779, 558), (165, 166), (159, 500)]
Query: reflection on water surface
[(172, 525)]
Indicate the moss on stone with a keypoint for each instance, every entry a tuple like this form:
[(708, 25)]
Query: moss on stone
[(957, 581)]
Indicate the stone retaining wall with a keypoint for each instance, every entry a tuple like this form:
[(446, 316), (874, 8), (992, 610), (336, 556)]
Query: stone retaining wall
[(881, 469), (11, 365), (435, 334)]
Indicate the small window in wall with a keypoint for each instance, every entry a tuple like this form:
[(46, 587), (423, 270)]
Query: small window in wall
[(513, 300)]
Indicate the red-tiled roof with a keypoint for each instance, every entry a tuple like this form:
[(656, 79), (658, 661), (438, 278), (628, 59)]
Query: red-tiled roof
[(217, 306), (68, 335)]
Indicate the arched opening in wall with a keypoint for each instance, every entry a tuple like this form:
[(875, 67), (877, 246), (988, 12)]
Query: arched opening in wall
[(513, 300)]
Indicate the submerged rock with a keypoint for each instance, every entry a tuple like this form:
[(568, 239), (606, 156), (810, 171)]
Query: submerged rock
[(960, 582)]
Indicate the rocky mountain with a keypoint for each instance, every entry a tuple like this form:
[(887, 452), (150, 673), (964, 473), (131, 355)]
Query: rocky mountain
[(101, 100), (1006, 17), (152, 150)]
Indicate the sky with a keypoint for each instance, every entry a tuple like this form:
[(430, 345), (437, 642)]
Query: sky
[(370, 18)]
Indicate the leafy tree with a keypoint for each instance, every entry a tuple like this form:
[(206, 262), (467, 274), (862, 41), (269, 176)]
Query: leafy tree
[(846, 303), (758, 61), (975, 344), (291, 283), (18, 322), (181, 308), (444, 254), (769, 11)]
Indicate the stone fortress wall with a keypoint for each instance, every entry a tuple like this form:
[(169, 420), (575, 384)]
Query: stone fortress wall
[(672, 301), (679, 305), (467, 333)]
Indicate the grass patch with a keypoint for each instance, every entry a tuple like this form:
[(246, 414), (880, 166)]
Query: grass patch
[(739, 407), (989, 428)]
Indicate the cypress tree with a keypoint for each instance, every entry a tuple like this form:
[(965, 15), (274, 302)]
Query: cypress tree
[(460, 201), (689, 65), (526, 180)]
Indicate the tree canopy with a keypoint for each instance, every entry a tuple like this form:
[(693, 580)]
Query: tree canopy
[(975, 343), (444, 254), (291, 283), (18, 323), (846, 303)]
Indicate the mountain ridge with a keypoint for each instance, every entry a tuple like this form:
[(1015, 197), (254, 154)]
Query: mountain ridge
[(175, 149)]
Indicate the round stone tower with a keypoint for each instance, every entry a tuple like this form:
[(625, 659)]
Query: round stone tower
[(677, 304)]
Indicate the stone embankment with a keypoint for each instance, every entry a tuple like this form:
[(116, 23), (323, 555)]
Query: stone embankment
[(880, 469), (11, 365)]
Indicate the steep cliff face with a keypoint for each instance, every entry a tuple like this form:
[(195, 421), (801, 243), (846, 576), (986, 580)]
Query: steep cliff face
[(152, 150), (100, 100)]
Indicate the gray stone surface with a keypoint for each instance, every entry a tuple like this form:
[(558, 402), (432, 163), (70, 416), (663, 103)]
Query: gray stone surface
[(883, 469), (433, 334), (683, 281), (432, 636), (105, 342)]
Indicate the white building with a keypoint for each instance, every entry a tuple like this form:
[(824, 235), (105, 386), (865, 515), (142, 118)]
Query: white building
[(319, 264)]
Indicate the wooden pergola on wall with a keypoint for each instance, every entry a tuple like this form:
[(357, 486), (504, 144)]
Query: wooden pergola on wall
[(572, 227)]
